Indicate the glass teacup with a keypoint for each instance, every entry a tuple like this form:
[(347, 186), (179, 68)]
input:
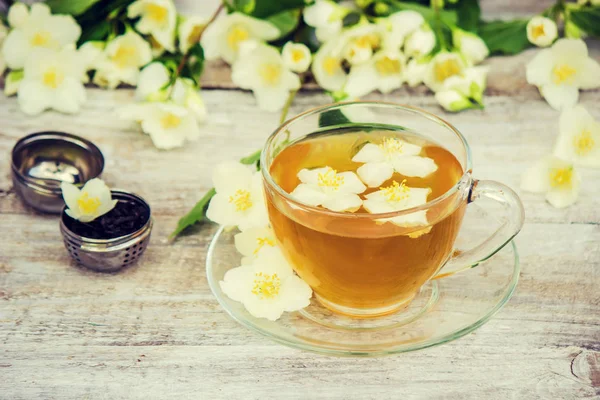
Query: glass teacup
[(361, 264)]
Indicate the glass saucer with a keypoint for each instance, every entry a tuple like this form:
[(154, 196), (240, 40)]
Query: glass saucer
[(444, 310)]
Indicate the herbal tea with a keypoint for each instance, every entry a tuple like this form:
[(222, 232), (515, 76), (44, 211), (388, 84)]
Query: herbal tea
[(353, 262)]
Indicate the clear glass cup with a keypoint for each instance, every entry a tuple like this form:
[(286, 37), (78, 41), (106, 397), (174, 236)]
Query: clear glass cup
[(388, 263)]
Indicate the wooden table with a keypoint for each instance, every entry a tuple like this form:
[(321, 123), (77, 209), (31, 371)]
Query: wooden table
[(154, 330)]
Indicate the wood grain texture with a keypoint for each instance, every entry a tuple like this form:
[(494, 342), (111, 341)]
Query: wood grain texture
[(155, 331)]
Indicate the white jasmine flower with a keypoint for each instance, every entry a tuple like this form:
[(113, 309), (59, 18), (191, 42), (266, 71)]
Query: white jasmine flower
[(326, 17), (336, 191), (541, 31), (268, 287), (579, 137), (187, 94), (122, 59), (189, 32), (470, 45), (251, 242), (52, 79), (152, 80), (360, 43), (398, 197), (556, 178), (12, 82), (223, 37), (90, 53), (296, 56), (240, 199), (441, 67), (415, 72), (420, 42), (157, 18), (93, 200), (40, 29), (380, 161), (458, 91), (560, 71), (327, 67), (168, 124), (18, 14), (385, 72), (402, 24), (262, 70)]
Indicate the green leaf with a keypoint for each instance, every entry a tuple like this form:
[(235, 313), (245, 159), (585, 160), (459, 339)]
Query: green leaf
[(253, 158), (285, 21), (99, 31), (351, 19), (308, 36), (469, 13), (196, 214), (587, 19), (72, 7), (265, 8), (244, 6), (505, 37), (195, 65), (332, 118)]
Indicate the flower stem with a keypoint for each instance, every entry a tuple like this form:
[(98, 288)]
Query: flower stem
[(286, 106), (186, 56), (438, 24)]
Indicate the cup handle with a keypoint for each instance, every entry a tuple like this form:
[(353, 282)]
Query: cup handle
[(512, 222)]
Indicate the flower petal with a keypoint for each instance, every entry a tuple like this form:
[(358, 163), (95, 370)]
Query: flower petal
[(539, 69), (560, 96), (295, 294), (15, 49), (237, 282), (417, 218), (230, 176), (563, 197), (221, 211), (308, 194), (535, 179), (343, 202), (373, 174), (589, 76), (369, 153), (251, 241), (415, 166), (70, 195), (351, 183)]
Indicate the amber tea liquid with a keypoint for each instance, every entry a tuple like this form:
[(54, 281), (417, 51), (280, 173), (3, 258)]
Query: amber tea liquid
[(361, 266)]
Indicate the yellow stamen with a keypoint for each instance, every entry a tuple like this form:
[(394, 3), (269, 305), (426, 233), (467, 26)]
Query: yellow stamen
[(236, 35), (363, 42), (387, 66), (169, 121), (538, 31), (89, 205), (270, 73), (125, 56), (262, 242), (330, 179), (297, 55), (396, 191), (563, 74), (445, 69), (392, 146), (156, 12), (241, 200), (266, 286), (40, 38), (52, 78), (561, 177), (584, 143), (330, 65)]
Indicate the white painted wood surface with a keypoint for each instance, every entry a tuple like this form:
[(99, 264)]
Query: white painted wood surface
[(155, 331)]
